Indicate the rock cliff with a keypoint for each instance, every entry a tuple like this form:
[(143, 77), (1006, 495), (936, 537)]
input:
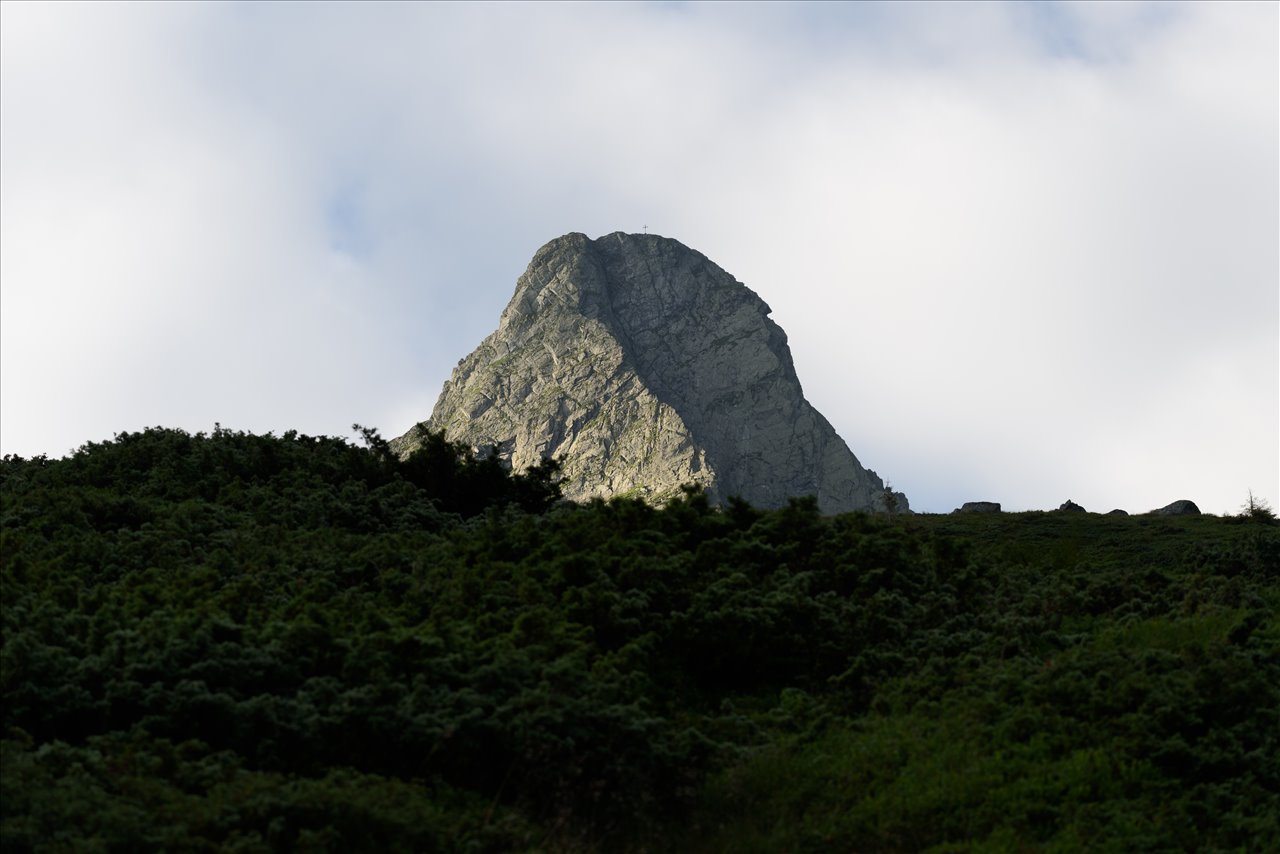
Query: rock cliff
[(643, 366)]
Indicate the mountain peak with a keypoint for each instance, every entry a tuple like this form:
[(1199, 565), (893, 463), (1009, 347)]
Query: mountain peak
[(644, 366)]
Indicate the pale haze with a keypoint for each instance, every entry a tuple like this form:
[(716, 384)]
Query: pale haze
[(1022, 252)]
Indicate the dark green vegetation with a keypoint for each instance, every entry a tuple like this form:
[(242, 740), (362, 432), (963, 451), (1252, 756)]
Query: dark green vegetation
[(248, 643)]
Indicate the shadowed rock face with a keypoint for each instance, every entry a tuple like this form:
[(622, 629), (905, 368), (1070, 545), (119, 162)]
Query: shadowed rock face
[(979, 507), (643, 366), (1182, 507)]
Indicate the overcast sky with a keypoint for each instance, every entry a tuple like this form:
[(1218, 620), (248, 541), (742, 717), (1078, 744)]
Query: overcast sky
[(1022, 252)]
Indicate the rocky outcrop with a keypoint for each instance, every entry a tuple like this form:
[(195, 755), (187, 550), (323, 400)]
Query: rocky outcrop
[(1070, 506), (1178, 508), (979, 507), (643, 366)]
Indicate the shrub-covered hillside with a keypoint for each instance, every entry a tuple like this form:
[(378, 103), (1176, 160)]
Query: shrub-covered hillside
[(257, 643)]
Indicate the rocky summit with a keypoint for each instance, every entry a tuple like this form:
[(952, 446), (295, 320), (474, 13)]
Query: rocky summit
[(642, 366)]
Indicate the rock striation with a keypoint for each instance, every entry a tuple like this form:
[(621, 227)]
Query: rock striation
[(643, 366)]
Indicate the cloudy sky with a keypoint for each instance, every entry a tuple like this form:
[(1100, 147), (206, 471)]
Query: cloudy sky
[(1024, 252)]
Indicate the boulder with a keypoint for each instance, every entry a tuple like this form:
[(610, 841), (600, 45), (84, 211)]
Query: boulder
[(1071, 507), (1182, 507), (979, 507)]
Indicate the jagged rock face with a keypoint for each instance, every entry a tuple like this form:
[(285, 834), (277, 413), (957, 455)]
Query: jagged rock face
[(643, 366)]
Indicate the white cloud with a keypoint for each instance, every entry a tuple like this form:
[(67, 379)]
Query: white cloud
[(1022, 252)]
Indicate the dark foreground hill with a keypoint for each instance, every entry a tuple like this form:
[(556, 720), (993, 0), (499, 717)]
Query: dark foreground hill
[(251, 643)]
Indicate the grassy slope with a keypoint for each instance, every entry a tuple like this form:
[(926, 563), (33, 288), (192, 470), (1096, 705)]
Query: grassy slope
[(1130, 660), (248, 643)]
